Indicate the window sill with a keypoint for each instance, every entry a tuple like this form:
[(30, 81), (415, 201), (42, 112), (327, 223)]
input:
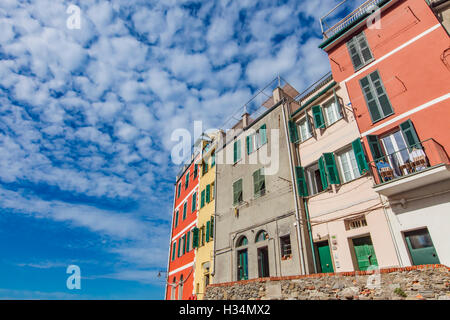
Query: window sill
[(364, 65)]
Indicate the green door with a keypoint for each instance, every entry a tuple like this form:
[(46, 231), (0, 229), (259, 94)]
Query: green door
[(365, 253), (326, 264), (421, 247), (242, 265)]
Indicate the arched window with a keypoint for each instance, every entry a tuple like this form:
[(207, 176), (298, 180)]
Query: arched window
[(173, 288), (261, 236), (242, 241), (180, 289)]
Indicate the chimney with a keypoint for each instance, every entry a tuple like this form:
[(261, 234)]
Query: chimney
[(245, 119)]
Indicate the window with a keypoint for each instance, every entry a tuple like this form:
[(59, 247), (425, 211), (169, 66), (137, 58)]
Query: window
[(208, 193), (208, 230), (174, 245), (179, 247), (202, 229), (305, 129), (202, 199), (212, 191), (211, 232), (313, 178), (375, 95), (179, 189), (184, 244), (347, 165), (188, 241), (285, 244), (213, 159), (176, 218), (195, 239), (262, 236), (356, 223), (186, 183), (184, 210), (293, 132), (237, 151), (242, 241), (237, 192), (204, 167), (195, 171), (194, 201), (259, 183), (332, 112), (359, 51), (301, 181)]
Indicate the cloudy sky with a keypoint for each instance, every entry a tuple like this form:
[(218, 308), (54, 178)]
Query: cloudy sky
[(86, 176)]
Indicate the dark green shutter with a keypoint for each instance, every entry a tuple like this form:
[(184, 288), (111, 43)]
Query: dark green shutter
[(293, 131), (184, 244), (195, 170), (179, 189), (360, 156), (409, 134), (354, 54), (194, 201), (174, 246), (332, 172), (202, 199), (208, 193), (380, 91), (237, 191), (375, 147), (323, 174), (318, 117), (195, 237), (208, 224), (263, 134), (179, 246), (213, 159), (248, 140), (211, 235), (188, 241), (301, 181), (258, 182), (187, 181), (176, 218), (184, 210), (237, 150)]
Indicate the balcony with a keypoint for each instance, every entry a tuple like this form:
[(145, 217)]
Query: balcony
[(363, 11), (410, 168)]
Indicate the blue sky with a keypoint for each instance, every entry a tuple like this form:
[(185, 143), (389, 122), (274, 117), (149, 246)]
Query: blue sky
[(86, 176)]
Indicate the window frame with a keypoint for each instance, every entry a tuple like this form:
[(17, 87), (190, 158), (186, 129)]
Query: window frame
[(355, 42), (352, 166)]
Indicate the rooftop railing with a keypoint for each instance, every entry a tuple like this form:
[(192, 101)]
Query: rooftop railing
[(364, 9), (408, 161)]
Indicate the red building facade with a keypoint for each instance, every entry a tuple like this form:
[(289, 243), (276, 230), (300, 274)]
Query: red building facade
[(397, 75), (180, 274)]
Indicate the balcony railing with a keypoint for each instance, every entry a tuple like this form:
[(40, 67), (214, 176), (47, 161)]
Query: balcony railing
[(408, 161), (364, 9)]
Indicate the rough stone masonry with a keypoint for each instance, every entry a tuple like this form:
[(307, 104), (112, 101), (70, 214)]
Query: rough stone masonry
[(427, 282)]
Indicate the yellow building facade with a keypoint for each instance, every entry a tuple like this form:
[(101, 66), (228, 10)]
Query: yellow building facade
[(205, 222)]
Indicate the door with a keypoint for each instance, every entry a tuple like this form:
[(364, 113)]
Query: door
[(421, 247), (395, 147), (242, 265), (326, 264), (365, 253), (263, 262)]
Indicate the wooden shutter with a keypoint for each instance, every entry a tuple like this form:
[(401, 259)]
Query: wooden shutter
[(323, 174), (179, 246), (208, 193), (258, 182), (301, 181), (211, 235), (263, 134), (188, 240), (179, 189), (237, 191), (358, 150), (318, 117), (195, 237), (195, 170), (293, 131), (375, 147), (208, 224), (249, 144), (187, 180), (381, 94), (354, 54), (176, 218), (184, 244), (184, 210), (194, 201), (174, 246), (370, 98), (409, 134), (213, 159), (202, 199), (237, 150), (364, 48), (332, 172)]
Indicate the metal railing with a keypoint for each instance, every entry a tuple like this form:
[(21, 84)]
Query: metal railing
[(365, 8), (314, 87), (416, 158)]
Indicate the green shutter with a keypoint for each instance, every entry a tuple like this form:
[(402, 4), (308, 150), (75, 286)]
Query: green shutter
[(293, 131), (208, 193), (184, 244), (301, 182), (360, 156), (211, 235), (213, 159), (338, 103), (194, 201), (174, 246), (258, 182), (323, 174), (354, 54), (188, 240), (195, 171), (318, 117), (176, 219), (237, 151), (184, 210), (202, 199), (263, 134), (186, 184), (249, 144), (375, 147), (179, 189), (409, 134), (332, 172), (380, 91), (208, 224), (237, 191), (195, 237), (179, 246)]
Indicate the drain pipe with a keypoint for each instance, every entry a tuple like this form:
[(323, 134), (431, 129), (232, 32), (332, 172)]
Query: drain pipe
[(310, 235), (297, 219)]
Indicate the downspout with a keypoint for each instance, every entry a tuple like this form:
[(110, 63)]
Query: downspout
[(310, 235), (297, 219)]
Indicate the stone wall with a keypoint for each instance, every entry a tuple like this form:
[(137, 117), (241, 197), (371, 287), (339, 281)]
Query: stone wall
[(425, 282)]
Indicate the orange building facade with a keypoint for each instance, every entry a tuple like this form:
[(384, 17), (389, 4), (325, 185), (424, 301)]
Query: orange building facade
[(395, 65), (180, 273)]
